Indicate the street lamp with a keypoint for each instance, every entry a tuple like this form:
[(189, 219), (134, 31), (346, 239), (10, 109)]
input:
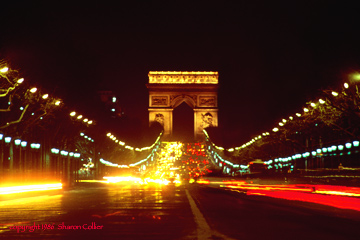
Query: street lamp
[(4, 69), (33, 90), (17, 142), (64, 153), (55, 150), (335, 94), (35, 145)]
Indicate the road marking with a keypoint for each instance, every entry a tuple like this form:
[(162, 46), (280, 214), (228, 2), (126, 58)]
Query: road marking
[(203, 229)]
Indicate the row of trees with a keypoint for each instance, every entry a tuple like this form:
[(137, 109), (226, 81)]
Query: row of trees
[(30, 114), (33, 116), (333, 118)]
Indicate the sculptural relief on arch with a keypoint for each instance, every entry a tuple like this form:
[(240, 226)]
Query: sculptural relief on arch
[(167, 90)]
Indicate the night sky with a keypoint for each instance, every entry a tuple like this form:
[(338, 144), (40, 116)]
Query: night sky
[(272, 56)]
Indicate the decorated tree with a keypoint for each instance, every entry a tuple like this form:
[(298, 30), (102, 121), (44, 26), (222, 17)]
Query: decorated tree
[(332, 118)]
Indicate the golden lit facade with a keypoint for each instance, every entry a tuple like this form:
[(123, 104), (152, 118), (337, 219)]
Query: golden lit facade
[(184, 77), (167, 90)]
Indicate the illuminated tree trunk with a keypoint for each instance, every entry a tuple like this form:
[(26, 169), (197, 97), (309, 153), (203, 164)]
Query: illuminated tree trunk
[(1, 160), (11, 158)]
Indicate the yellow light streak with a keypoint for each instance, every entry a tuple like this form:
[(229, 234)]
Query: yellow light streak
[(19, 202), (122, 179), (338, 193), (157, 180), (89, 180), (30, 188)]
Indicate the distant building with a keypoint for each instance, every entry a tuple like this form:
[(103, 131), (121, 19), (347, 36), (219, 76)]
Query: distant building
[(168, 90)]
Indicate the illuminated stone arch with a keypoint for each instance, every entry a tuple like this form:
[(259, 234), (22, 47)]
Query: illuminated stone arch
[(183, 98), (167, 90)]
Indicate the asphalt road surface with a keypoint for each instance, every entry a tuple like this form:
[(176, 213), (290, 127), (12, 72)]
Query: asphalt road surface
[(192, 211)]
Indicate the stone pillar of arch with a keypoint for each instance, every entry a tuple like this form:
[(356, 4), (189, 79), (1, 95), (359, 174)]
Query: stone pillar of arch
[(167, 90)]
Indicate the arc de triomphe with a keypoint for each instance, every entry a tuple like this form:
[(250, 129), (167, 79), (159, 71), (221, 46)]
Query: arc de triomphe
[(167, 90)]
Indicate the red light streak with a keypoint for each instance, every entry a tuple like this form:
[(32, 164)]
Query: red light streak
[(203, 181), (336, 196), (329, 200)]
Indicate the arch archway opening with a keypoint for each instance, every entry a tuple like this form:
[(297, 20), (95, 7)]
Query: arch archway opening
[(183, 123)]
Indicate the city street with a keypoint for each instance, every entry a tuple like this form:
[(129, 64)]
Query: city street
[(117, 211), (191, 211), (180, 120)]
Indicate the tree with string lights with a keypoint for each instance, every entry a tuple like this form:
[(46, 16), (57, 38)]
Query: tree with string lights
[(22, 107), (334, 117)]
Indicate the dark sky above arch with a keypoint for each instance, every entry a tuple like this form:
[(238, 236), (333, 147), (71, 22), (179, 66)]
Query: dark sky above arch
[(272, 56)]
